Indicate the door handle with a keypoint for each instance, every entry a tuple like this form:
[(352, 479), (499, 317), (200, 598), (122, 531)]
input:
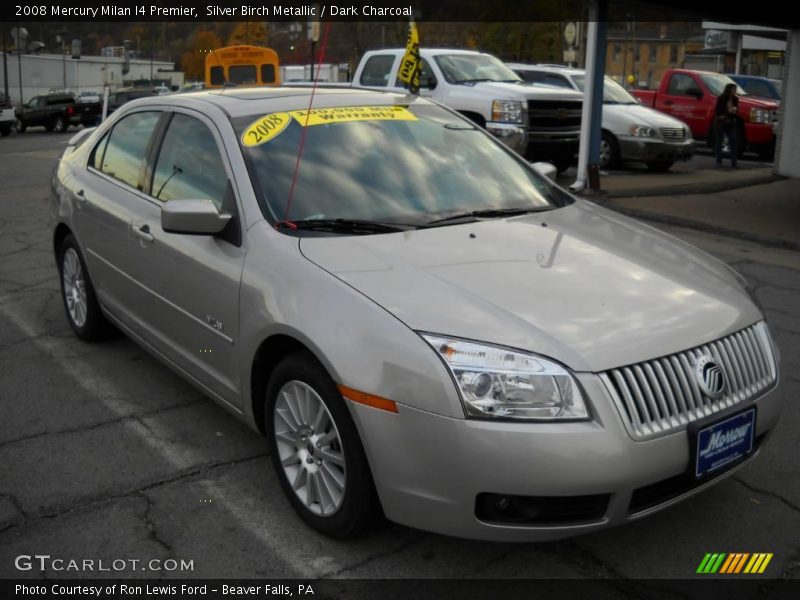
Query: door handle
[(668, 103), (80, 196), (143, 233)]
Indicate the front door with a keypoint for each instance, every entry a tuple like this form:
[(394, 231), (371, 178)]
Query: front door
[(189, 284)]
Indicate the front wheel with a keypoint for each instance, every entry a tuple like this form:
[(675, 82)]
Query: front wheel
[(316, 450), (5, 130), (21, 127), (562, 163), (609, 151)]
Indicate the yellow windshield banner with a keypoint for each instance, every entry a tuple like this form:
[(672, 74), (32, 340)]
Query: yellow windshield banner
[(265, 128), (344, 114), (270, 126)]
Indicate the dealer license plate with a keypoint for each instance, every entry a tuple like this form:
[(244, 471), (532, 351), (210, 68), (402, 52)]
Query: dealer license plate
[(724, 443)]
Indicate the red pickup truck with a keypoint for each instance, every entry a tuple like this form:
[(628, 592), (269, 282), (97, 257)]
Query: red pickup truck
[(691, 96)]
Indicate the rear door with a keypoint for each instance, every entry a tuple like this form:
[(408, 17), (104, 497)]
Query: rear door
[(187, 298), (105, 197)]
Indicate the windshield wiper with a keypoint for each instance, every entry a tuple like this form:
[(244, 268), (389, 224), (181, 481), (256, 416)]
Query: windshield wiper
[(460, 81), (488, 213), (356, 226)]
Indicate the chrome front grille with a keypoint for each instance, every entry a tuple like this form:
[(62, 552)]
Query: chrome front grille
[(554, 114), (673, 134), (662, 395)]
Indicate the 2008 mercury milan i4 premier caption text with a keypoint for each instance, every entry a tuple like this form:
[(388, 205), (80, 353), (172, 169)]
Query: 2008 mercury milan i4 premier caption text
[(419, 322)]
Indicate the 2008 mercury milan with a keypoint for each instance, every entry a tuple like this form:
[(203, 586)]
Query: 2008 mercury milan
[(419, 321)]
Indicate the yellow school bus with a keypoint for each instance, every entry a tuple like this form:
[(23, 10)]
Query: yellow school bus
[(242, 65)]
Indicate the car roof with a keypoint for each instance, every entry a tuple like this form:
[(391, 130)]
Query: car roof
[(545, 68), (429, 51), (245, 101)]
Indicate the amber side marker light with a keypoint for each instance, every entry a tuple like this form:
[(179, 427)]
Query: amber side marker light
[(368, 399)]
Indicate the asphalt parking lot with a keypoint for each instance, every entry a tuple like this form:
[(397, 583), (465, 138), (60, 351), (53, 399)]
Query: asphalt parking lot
[(106, 454)]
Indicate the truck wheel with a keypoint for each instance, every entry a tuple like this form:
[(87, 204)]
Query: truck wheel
[(609, 151), (5, 130), (562, 163), (59, 125), (21, 127)]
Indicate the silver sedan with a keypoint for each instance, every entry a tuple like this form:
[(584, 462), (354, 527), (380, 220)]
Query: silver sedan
[(419, 322)]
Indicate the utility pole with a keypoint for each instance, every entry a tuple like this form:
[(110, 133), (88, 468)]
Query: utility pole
[(5, 65)]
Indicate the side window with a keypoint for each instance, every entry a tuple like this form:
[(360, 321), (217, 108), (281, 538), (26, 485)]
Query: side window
[(531, 76), (41, 102), (189, 165), (680, 84), (268, 73), (96, 159), (125, 151), (427, 80), (377, 70)]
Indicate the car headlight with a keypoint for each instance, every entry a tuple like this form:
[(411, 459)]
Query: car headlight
[(760, 115), (643, 131), (499, 383), (507, 111)]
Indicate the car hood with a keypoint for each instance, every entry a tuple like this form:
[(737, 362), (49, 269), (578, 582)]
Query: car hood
[(580, 284), (636, 114), (755, 102)]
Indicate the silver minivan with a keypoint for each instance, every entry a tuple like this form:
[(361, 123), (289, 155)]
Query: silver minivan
[(419, 322)]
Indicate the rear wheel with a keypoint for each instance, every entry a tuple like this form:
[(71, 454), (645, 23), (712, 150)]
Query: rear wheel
[(5, 130), (59, 125), (609, 151), (80, 302), (316, 450)]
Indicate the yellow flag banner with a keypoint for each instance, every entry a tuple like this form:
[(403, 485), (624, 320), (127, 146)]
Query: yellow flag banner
[(410, 65)]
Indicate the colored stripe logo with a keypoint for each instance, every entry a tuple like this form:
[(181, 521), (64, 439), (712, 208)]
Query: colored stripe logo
[(734, 563)]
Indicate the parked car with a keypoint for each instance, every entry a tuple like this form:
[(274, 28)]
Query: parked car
[(691, 96), (759, 87), (7, 116), (631, 132), (417, 320), (57, 112), (539, 123), (124, 95), (88, 97)]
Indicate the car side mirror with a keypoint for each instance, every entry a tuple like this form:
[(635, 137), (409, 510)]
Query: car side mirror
[(545, 169), (429, 84), (193, 217)]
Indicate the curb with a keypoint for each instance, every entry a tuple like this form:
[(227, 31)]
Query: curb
[(707, 228), (695, 188)]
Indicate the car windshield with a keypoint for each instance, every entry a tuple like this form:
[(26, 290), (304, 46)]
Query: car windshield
[(422, 165), (716, 84), (471, 68), (613, 93)]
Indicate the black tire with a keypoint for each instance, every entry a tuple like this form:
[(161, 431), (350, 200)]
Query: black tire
[(5, 130), (562, 163), (611, 159), (660, 166), (21, 126), (359, 505), (59, 125), (95, 327)]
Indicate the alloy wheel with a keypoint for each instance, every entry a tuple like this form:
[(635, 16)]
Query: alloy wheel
[(74, 287), (309, 448)]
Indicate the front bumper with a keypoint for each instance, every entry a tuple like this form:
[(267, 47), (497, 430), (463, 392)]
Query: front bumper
[(430, 469), (650, 150)]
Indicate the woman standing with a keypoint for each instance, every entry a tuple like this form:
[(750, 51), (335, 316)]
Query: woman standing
[(725, 123)]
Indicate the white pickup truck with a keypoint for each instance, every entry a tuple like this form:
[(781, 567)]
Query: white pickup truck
[(7, 116), (539, 122)]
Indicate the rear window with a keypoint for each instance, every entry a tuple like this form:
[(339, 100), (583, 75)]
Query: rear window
[(376, 70), (242, 74)]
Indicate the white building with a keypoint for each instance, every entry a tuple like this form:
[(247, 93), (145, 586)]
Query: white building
[(41, 72)]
